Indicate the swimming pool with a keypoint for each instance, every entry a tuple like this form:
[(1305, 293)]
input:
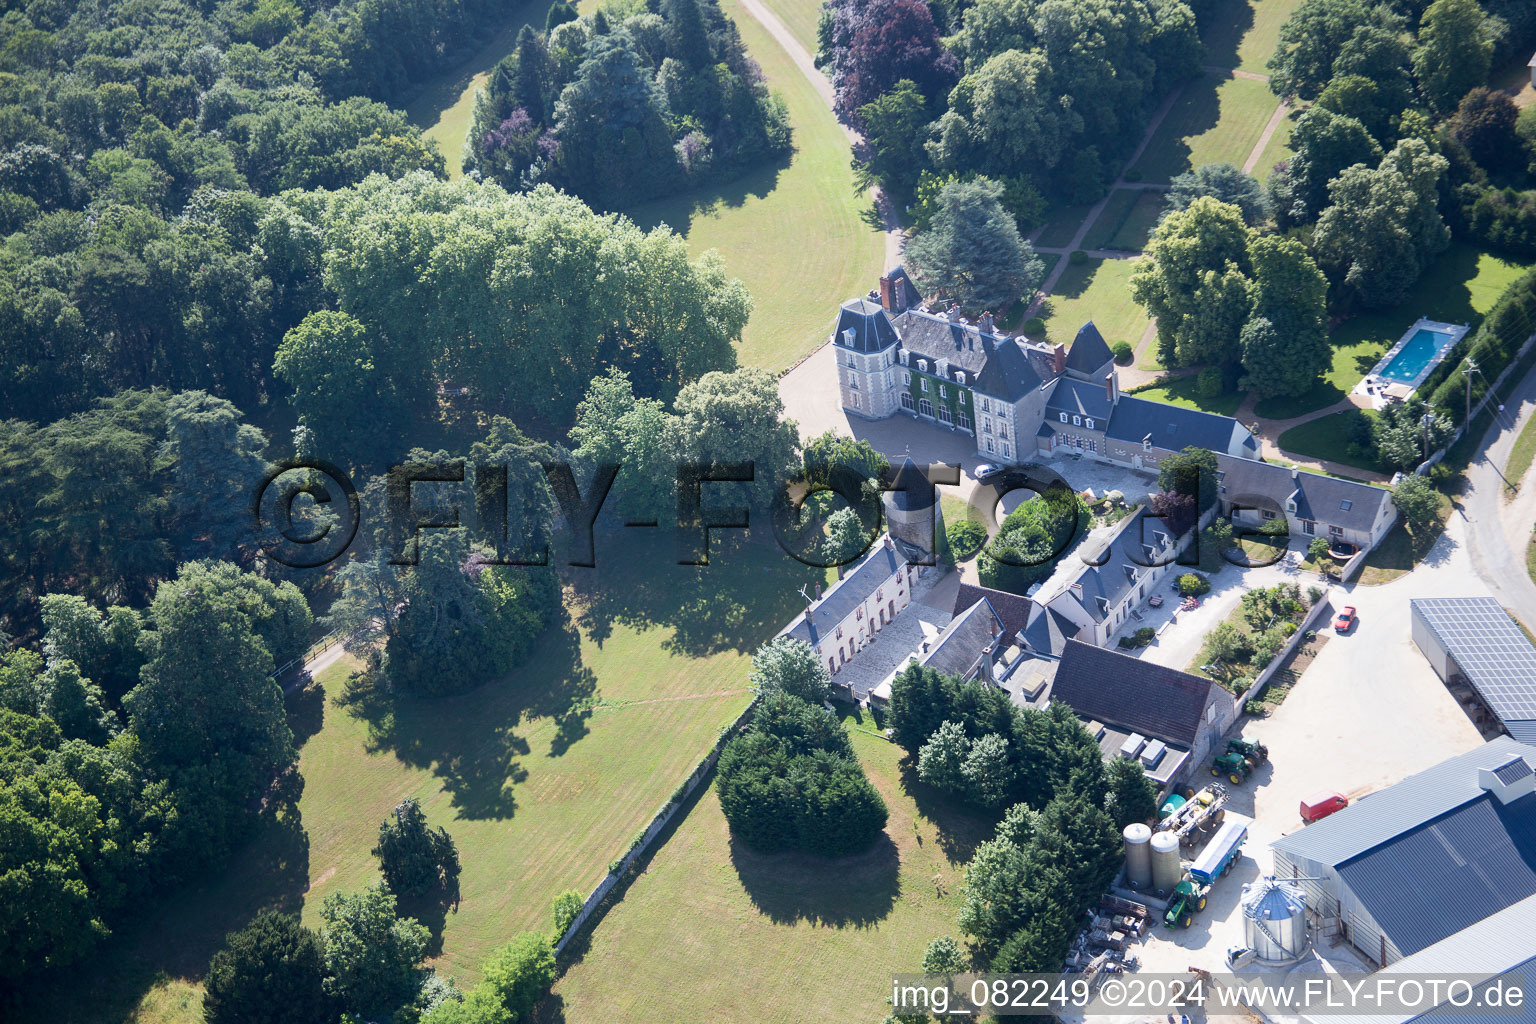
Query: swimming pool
[(1416, 356)]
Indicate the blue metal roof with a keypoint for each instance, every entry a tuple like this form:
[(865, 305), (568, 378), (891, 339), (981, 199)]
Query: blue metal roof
[(1447, 874)]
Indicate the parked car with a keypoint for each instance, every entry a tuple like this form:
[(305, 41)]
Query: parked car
[(986, 471), (1346, 620), (1320, 805)]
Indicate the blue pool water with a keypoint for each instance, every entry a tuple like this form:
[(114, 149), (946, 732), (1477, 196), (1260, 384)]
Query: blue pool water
[(1412, 359)]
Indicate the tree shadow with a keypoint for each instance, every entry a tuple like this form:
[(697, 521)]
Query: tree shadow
[(1223, 32), (678, 212), (172, 934), (709, 609), (961, 829), (306, 711), (838, 892), (431, 909), (1197, 111), (470, 740)]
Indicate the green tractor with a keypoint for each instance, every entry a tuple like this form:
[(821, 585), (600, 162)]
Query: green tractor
[(1187, 898), (1233, 766), (1252, 751)]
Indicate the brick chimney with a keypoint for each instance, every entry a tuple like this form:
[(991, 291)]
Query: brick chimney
[(888, 293), (1059, 358), (985, 323), (1112, 387)]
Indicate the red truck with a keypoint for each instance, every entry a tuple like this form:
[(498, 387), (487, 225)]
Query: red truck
[(1320, 805)]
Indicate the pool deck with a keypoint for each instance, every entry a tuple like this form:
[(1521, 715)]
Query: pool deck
[(1381, 390)]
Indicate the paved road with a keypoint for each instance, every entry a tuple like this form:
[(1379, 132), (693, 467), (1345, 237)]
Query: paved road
[(1498, 528)]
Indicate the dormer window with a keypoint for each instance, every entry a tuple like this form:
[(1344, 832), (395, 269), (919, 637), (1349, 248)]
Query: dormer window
[(960, 377), (904, 356), (1290, 505), (1077, 421), (1088, 422), (1063, 417), (1146, 443), (922, 364)]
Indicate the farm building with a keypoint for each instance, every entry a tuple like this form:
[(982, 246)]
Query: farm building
[(1413, 865), (1472, 641), (1313, 505)]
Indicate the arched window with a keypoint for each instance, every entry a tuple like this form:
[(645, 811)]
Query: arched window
[(906, 400), (925, 407)]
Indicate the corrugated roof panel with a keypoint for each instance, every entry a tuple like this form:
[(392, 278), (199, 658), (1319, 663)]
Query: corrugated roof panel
[(1490, 649), (1431, 882), (1379, 817)]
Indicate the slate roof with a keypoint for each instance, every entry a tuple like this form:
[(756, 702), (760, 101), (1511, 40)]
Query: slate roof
[(910, 490), (965, 640), (1432, 881), (1089, 351), (1319, 498), (1133, 694), (1171, 427), (1081, 398), (1012, 610), (1009, 372), (871, 326), (1113, 566), (1377, 819), (933, 337), (847, 594)]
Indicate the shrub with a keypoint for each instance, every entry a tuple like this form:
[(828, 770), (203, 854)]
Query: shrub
[(1276, 527), (1034, 328), (1123, 353), (1192, 584), (1134, 174), (1077, 257), (1314, 595), (1256, 708), (1208, 382), (965, 538), (1128, 643)]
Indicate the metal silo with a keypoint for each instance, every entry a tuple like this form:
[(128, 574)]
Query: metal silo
[(1138, 855), (1275, 919), (1167, 870)]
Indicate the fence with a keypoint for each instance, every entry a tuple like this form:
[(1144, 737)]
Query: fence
[(1319, 610), (325, 643), (647, 839)]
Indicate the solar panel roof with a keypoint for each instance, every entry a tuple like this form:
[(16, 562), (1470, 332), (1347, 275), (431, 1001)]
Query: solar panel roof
[(1490, 649)]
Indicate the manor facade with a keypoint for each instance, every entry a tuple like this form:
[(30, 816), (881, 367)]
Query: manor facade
[(1019, 399)]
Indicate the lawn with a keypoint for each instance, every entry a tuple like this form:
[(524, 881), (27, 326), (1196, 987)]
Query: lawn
[(1138, 224), (1121, 202), (1460, 287), (1328, 437), (800, 17), (1277, 149), (542, 778), (1244, 33), (1098, 290), (1182, 391), (1521, 455), (1216, 120), (797, 235), (711, 931), (1061, 225), (1400, 550), (444, 107)]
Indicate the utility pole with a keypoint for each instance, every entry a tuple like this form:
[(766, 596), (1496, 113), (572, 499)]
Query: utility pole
[(1424, 419), (1467, 372)]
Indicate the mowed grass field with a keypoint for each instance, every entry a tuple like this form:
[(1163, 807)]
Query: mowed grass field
[(710, 931), (1243, 33), (542, 778), (797, 235), (1460, 288), (1098, 290), (800, 17), (1215, 120)]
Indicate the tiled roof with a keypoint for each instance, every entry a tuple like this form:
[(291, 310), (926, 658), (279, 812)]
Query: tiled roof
[(1131, 693), (872, 330), (1430, 882), (847, 594), (1012, 609), (1089, 351), (1323, 499), (1170, 427)]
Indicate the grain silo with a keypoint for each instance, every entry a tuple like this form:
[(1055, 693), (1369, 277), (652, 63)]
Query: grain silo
[(1167, 870), (1275, 920), (1138, 855)]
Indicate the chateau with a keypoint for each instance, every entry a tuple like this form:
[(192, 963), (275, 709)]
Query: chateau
[(1019, 399)]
